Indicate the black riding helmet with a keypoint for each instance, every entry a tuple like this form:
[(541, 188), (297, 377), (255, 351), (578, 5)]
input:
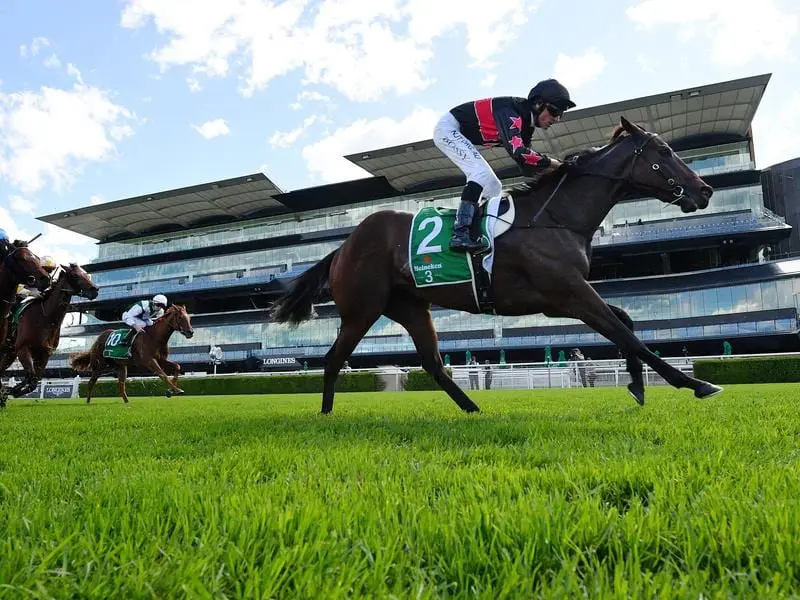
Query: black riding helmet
[(552, 92)]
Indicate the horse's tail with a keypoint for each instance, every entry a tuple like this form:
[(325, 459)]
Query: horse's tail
[(82, 362), (312, 286)]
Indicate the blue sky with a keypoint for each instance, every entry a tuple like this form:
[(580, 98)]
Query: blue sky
[(105, 100)]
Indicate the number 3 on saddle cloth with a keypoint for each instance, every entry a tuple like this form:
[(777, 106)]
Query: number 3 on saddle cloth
[(119, 343), (433, 263)]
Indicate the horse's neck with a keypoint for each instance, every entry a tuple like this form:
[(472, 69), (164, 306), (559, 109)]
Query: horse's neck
[(57, 301), (579, 204), (580, 201), (161, 331)]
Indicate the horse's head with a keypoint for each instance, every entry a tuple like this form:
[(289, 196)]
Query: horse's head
[(24, 265), (79, 282), (657, 171), (179, 320)]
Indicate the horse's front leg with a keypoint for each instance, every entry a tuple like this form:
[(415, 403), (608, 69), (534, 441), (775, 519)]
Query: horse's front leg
[(584, 303), (6, 358), (172, 366), (28, 384), (155, 366)]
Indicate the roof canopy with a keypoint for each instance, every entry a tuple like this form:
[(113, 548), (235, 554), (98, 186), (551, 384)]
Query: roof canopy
[(174, 210), (692, 117), (721, 111)]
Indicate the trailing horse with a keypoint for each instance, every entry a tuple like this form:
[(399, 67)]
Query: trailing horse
[(37, 331), (18, 265), (541, 263), (147, 350)]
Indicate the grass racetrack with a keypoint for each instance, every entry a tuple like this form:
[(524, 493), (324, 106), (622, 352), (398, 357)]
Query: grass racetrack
[(555, 494)]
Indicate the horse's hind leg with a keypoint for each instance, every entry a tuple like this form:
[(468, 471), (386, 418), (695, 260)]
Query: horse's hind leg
[(632, 362), (122, 375), (415, 315), (351, 332), (90, 386)]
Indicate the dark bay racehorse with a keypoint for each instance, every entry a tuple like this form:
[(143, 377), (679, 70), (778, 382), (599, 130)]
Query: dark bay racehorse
[(539, 267), (39, 329), (19, 266), (149, 351)]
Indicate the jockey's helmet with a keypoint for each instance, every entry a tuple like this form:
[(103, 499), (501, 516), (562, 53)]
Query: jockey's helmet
[(48, 264), (160, 300), (550, 91)]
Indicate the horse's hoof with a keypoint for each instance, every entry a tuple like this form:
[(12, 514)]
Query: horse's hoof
[(168, 393), (637, 393), (707, 390), (178, 391)]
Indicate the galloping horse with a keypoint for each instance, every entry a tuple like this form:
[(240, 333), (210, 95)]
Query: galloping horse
[(39, 329), (541, 263), (149, 350), (19, 265)]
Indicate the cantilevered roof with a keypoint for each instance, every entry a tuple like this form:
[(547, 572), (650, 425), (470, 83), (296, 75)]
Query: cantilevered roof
[(174, 210), (719, 111)]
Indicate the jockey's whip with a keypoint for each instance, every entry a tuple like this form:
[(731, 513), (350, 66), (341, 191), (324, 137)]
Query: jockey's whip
[(34, 238)]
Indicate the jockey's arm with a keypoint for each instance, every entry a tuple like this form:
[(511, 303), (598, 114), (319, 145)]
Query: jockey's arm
[(509, 128)]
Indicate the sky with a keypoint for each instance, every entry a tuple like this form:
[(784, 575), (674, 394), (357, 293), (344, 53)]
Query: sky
[(105, 100)]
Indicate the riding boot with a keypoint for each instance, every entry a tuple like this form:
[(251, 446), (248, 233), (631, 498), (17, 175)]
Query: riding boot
[(461, 241)]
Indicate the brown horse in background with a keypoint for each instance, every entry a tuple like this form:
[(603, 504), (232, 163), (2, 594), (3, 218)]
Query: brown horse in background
[(19, 266), (541, 264), (149, 351), (39, 329)]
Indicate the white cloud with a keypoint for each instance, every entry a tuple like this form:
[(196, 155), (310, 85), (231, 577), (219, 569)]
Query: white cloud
[(64, 246), (325, 157), (575, 71), (489, 80), (73, 71), (21, 205), (285, 139), (212, 129), (363, 48), (96, 199), (194, 84), (739, 30), (295, 106), (48, 137), (316, 96), (777, 134), (52, 61), (35, 47)]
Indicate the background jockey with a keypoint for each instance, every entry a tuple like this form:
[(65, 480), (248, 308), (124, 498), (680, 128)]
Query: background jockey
[(502, 121), (145, 312), (23, 291)]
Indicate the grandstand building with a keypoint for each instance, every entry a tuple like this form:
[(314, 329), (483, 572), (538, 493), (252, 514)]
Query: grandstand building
[(689, 282)]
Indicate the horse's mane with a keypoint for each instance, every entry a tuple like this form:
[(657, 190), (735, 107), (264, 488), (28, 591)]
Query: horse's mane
[(581, 156)]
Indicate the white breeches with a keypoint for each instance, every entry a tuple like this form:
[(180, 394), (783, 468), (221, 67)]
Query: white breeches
[(448, 138)]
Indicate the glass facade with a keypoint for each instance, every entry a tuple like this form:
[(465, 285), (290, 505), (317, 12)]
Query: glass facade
[(723, 158), (386, 336)]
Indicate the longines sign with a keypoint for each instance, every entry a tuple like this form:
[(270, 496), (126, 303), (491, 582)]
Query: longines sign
[(281, 362)]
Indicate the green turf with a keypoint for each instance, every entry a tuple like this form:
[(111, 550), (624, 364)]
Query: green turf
[(560, 494)]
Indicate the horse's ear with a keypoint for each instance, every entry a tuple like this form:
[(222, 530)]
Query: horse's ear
[(627, 125)]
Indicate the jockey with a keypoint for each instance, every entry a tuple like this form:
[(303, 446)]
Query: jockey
[(143, 313), (3, 236), (503, 121)]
